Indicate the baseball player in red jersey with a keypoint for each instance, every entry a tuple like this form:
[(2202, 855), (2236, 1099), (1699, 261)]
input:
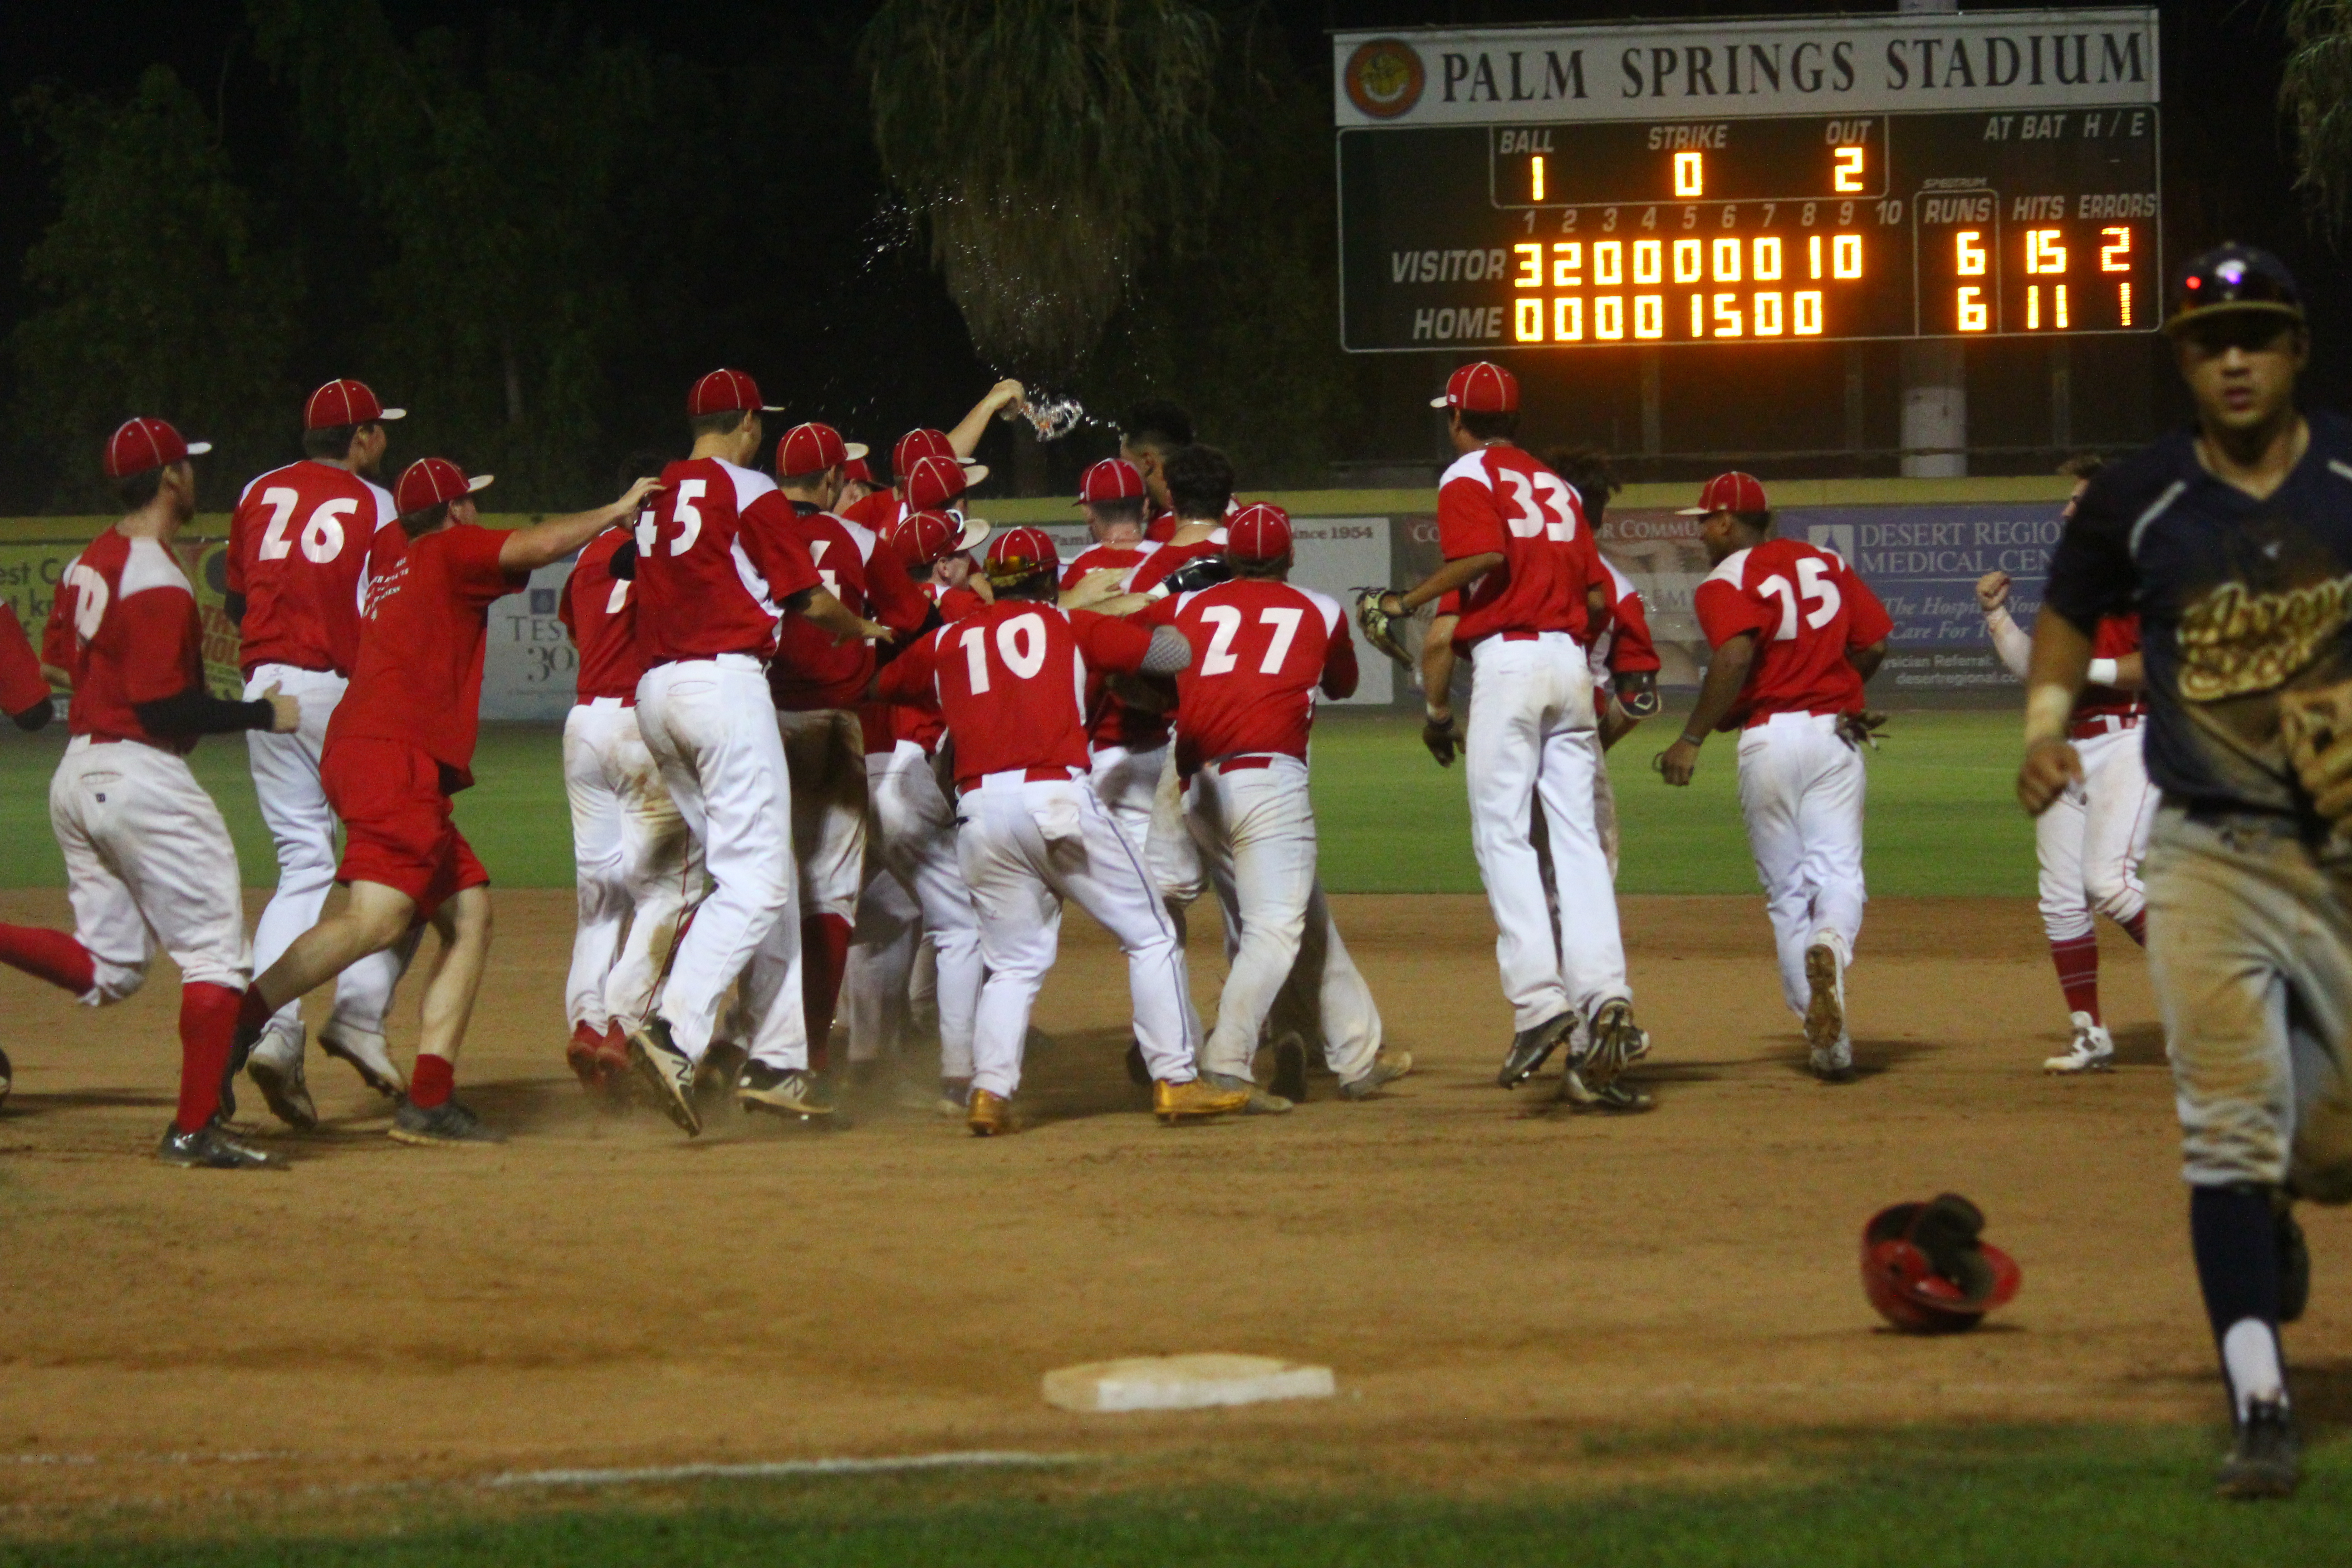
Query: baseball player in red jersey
[(2090, 840), (1796, 635), (1011, 681), (1245, 707), (914, 887), (720, 564), (882, 510), (857, 483), (1154, 431), (400, 744), (637, 864), (301, 543), (1517, 547), (818, 684), (148, 858)]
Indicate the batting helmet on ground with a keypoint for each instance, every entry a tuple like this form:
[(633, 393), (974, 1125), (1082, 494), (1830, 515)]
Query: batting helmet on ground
[(1927, 1272)]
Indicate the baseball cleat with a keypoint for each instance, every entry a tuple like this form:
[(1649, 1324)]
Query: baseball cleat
[(2265, 1459), (667, 1071), (1386, 1068), (1616, 1044), (1579, 1093), (990, 1115), (2093, 1049), (1530, 1047), (613, 1063), (448, 1124), (368, 1056), (7, 1077), (783, 1091), (209, 1148), (1194, 1099), (276, 1068), (1834, 1065), (1259, 1101), (1825, 1009), (1289, 1068)]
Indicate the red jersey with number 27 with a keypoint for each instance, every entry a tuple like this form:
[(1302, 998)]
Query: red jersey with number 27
[(1261, 649), (1011, 681), (1807, 608), (298, 546), (1498, 500)]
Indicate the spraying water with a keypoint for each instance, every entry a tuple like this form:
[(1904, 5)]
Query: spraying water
[(1051, 418)]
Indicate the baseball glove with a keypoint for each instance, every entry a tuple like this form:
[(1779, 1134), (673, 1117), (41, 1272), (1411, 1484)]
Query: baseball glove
[(1200, 572), (2316, 726), (1858, 729), (1637, 693), (1442, 739), (1383, 630)]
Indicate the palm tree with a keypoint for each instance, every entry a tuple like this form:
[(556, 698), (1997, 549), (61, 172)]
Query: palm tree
[(1046, 143), (2316, 92)]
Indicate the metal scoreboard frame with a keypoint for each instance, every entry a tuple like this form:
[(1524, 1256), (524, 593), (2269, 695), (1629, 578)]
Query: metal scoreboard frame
[(1823, 179)]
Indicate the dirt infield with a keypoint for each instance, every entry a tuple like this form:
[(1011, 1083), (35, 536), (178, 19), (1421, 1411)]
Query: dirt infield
[(1488, 1282)]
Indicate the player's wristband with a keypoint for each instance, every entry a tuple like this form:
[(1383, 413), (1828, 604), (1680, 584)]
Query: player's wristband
[(1691, 740), (1441, 717), (2102, 672)]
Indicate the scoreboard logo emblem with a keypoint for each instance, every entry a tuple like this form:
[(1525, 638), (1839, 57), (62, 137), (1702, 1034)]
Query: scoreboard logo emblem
[(1385, 78)]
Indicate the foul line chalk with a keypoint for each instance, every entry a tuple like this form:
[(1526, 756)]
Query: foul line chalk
[(980, 1458)]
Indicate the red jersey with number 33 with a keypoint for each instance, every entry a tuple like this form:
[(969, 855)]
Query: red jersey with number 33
[(1500, 500), (1261, 649), (298, 549), (1807, 608), (1011, 681)]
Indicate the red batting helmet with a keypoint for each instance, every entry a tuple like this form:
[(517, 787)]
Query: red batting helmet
[(1927, 1272), (1020, 552)]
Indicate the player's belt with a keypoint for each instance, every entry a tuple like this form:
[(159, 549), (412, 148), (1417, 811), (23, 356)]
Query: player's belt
[(1024, 776), (1241, 763), (2102, 724), (608, 702)]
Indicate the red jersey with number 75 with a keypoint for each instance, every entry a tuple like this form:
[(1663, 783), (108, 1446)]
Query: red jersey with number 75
[(298, 546), (1807, 608), (1500, 500), (1011, 681)]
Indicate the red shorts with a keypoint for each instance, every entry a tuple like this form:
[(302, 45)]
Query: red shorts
[(397, 823)]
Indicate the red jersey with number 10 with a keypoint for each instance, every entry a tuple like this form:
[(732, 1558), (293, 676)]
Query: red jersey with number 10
[(1011, 681), (1498, 500), (298, 547), (1807, 608)]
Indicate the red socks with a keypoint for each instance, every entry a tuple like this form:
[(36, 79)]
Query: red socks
[(430, 1082), (207, 1022), (253, 1013), (2077, 960), (52, 955), (824, 958), (2138, 926)]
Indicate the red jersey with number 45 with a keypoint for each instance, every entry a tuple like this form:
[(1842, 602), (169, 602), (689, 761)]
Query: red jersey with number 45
[(1011, 681), (1807, 608), (717, 554), (1500, 499), (600, 611), (1261, 651), (298, 549), (812, 672), (124, 625)]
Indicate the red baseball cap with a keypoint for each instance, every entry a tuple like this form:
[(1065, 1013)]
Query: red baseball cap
[(1480, 388), (925, 537), (855, 468), (725, 391), (916, 444), (138, 444), (346, 403), (1113, 479), (1021, 553), (811, 448), (1260, 533), (430, 481), (932, 482), (1733, 491)]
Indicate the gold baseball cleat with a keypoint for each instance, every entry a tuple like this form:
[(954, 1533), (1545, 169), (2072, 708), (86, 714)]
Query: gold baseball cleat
[(1174, 1103), (990, 1115)]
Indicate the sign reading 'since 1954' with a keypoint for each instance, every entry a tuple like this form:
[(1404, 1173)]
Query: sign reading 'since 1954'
[(1984, 175)]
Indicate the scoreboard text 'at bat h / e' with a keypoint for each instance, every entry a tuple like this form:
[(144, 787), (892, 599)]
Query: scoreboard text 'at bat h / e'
[(1992, 175)]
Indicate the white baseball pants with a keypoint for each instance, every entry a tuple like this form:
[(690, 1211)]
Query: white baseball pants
[(1145, 798), (1027, 845), (1255, 829), (711, 727), (302, 826), (874, 1005), (915, 828), (2092, 839), (1531, 743), (637, 865), (148, 862), (823, 749), (1801, 789)]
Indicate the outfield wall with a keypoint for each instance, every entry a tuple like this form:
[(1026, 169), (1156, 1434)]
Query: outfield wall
[(1920, 544)]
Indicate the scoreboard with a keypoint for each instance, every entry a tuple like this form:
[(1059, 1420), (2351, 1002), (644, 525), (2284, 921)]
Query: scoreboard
[(1661, 206)]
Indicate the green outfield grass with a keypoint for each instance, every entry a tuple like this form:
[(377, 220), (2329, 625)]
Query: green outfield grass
[(2087, 1498), (1942, 818)]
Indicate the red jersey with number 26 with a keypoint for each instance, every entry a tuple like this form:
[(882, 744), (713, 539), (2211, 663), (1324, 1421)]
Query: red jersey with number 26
[(1010, 680), (298, 544), (1498, 500), (1807, 608), (717, 554)]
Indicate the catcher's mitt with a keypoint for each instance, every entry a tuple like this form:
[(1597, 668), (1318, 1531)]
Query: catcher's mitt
[(2316, 727), (1859, 729), (1381, 628)]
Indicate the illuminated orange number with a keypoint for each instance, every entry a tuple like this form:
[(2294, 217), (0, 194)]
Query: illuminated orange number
[(1530, 274), (1568, 319), (2042, 251), (1690, 174), (1765, 260), (2115, 255), (1567, 262), (1849, 169), (1535, 178), (1726, 260), (1808, 312), (1609, 316), (1968, 249), (1609, 263), (1765, 311), (1649, 261), (1687, 265), (1727, 316), (1698, 315), (1845, 256), (1973, 313), (1649, 316), (1527, 321), (1815, 246)]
